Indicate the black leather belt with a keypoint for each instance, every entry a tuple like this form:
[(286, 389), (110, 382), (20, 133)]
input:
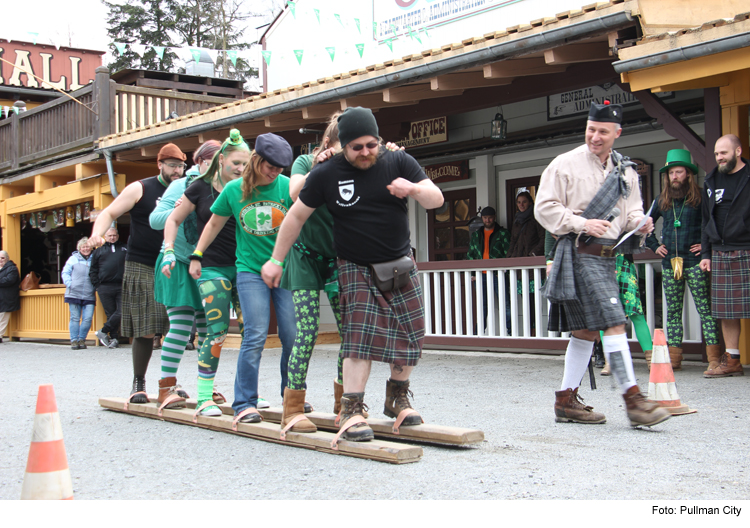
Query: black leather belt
[(597, 250)]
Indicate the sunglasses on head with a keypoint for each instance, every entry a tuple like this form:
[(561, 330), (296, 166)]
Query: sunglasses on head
[(370, 146)]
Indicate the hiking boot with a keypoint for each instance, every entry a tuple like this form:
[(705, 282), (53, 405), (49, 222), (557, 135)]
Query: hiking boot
[(397, 399), (169, 387), (728, 366), (713, 353), (103, 338), (598, 355), (74, 345), (675, 356), (643, 412), (82, 344), (338, 392), (139, 386), (352, 405), (569, 408), (294, 405)]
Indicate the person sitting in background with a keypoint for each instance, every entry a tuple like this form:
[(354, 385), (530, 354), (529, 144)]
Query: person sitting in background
[(79, 293), (9, 297)]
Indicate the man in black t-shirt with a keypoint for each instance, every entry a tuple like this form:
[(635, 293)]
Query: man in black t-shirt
[(366, 189), (725, 247)]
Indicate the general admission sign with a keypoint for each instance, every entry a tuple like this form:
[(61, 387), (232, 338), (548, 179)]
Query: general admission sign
[(578, 102)]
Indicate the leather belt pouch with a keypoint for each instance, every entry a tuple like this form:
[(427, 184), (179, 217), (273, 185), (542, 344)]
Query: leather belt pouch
[(392, 275)]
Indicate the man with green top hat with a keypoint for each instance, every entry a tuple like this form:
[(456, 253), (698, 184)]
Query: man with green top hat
[(680, 249)]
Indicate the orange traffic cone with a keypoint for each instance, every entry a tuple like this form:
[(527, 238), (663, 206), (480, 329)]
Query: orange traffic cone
[(661, 387), (47, 475)]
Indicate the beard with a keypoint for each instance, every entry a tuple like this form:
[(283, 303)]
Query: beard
[(363, 162), (677, 191), (728, 166)]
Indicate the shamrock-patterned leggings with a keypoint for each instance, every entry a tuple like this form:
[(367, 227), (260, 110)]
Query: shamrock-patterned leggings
[(307, 313), (674, 292), (217, 294)]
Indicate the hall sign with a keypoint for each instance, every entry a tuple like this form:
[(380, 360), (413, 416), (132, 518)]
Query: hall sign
[(445, 172), (578, 102), (65, 68), (427, 132)]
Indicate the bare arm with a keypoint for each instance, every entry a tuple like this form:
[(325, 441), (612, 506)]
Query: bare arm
[(214, 225), (425, 192), (121, 205), (290, 229), (175, 218), (296, 182)]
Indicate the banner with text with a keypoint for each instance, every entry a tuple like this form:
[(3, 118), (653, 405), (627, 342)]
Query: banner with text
[(427, 132)]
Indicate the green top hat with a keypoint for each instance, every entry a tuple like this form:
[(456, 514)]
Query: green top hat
[(679, 158)]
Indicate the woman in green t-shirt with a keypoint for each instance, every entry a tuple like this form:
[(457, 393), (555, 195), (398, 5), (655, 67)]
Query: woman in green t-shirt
[(218, 283), (258, 202)]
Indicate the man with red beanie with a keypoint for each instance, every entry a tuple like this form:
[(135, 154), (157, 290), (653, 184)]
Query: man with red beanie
[(142, 316)]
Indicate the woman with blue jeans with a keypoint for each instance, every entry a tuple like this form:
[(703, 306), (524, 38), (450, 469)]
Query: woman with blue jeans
[(79, 293), (259, 202)]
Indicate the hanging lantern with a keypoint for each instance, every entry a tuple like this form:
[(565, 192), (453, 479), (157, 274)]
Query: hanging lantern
[(79, 213), (70, 216), (499, 127), (32, 220), (86, 210)]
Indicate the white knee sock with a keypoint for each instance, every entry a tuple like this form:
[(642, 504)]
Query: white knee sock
[(577, 358), (617, 352)]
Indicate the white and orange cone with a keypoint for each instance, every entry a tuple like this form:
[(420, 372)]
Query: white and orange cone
[(47, 474), (662, 388)]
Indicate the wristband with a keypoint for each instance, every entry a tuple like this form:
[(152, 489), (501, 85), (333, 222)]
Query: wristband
[(196, 255), (549, 262), (274, 261), (168, 250)]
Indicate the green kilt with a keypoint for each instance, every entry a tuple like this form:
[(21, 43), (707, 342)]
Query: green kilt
[(178, 290), (627, 282)]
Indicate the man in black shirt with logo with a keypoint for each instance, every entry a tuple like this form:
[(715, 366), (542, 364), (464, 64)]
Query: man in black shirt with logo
[(725, 247), (366, 188)]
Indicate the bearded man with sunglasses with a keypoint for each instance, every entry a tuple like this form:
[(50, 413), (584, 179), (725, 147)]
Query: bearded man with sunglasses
[(142, 317), (366, 189)]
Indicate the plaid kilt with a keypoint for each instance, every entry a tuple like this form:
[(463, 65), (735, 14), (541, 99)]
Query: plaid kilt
[(730, 284), (627, 281), (380, 326), (598, 306), (141, 314)]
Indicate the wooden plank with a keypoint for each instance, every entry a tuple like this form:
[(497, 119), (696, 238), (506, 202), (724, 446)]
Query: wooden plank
[(379, 450), (423, 434), (519, 67), (574, 53), (465, 81)]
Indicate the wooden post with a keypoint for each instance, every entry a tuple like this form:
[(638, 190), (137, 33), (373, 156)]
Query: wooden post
[(14, 140), (103, 104), (712, 112)]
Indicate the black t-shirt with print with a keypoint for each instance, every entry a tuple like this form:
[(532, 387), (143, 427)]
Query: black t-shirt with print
[(222, 250), (726, 188), (370, 225)]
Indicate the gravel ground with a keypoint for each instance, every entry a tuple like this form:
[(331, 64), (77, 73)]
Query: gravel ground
[(526, 455)]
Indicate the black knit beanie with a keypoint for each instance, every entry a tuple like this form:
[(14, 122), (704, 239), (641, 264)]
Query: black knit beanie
[(356, 122)]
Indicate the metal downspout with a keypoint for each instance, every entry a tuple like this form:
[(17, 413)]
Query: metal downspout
[(111, 174), (693, 51), (493, 53)]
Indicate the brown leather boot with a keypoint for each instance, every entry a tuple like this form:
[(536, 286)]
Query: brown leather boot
[(169, 387), (641, 411), (397, 399), (727, 367), (713, 353), (607, 370), (352, 404), (648, 354), (569, 407), (294, 405), (338, 392), (675, 356)]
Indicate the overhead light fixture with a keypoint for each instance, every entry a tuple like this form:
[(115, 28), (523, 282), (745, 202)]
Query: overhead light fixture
[(499, 127)]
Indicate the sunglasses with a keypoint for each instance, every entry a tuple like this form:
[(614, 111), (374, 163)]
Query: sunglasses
[(370, 146), (182, 166)]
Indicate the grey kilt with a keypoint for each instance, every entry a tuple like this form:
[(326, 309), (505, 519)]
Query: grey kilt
[(598, 306), (141, 314), (730, 284)]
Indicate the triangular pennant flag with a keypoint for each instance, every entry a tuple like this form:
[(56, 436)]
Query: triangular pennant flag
[(413, 34), (183, 54), (139, 49), (317, 14), (232, 54), (298, 54), (393, 28), (331, 51), (120, 47), (338, 17), (159, 51), (34, 35), (6, 112), (293, 8), (214, 54), (360, 49), (266, 57), (356, 21), (196, 53), (375, 28), (390, 43)]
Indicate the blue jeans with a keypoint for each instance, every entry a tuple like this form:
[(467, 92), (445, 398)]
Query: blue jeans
[(255, 299), (80, 321)]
